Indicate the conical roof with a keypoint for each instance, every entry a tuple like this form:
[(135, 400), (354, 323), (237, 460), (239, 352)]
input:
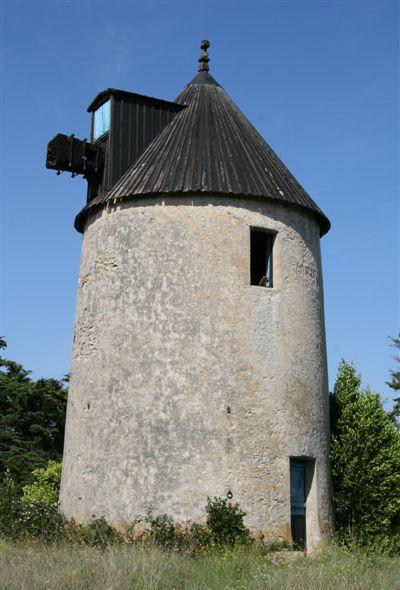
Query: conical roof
[(209, 147)]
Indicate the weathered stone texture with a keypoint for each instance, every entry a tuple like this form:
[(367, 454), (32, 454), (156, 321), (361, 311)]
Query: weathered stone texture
[(169, 335)]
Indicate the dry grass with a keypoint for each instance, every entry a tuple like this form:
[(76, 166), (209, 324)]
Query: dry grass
[(73, 567)]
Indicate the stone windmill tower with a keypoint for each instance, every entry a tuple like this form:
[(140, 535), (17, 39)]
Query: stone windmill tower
[(199, 361)]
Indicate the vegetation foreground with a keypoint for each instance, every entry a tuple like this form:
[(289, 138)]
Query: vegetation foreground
[(35, 566)]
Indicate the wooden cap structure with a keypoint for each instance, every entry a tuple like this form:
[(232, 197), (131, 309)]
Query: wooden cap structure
[(209, 147)]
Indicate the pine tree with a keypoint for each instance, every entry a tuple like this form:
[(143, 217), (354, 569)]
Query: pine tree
[(395, 382), (365, 461)]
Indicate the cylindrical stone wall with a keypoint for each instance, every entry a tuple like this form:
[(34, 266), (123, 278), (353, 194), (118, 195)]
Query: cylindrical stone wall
[(187, 381)]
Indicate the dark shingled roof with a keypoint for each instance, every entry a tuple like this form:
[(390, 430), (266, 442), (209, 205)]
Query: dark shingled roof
[(209, 147), (123, 94)]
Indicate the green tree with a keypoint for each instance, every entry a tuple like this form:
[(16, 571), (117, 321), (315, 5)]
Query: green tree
[(365, 461), (32, 420), (395, 381)]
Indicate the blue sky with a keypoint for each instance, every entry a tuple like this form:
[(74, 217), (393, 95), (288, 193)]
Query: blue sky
[(318, 79)]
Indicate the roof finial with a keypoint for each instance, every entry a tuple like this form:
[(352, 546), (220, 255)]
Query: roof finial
[(204, 59)]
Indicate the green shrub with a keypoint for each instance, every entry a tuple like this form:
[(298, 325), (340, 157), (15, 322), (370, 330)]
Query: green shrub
[(96, 533), (10, 508), (224, 526), (162, 530), (225, 522), (201, 537), (39, 503), (46, 485), (41, 521)]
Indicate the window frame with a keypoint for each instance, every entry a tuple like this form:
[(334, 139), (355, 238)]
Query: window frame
[(99, 108), (272, 233)]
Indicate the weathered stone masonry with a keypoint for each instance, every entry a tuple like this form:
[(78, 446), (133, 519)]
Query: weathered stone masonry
[(169, 335)]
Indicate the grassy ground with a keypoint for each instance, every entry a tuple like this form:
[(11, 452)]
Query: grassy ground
[(73, 567)]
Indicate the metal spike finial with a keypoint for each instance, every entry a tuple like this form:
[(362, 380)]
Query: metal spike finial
[(204, 59)]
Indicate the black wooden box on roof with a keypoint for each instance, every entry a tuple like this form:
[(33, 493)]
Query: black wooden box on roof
[(200, 144), (134, 121)]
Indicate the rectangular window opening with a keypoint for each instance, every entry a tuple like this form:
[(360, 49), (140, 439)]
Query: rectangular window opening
[(261, 245), (101, 123)]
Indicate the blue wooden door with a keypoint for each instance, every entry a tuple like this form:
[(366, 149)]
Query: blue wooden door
[(298, 502)]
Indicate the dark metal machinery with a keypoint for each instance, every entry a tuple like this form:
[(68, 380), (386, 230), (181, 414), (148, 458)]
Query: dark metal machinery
[(78, 156)]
